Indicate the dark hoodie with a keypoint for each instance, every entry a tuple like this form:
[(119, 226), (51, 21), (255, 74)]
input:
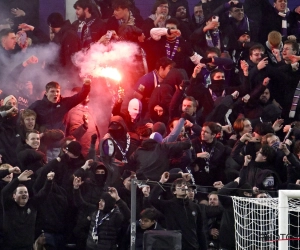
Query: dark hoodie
[(151, 159), (261, 176), (119, 137), (30, 158), (69, 43)]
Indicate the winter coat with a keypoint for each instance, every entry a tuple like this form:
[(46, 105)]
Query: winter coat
[(152, 158), (184, 215), (97, 29), (20, 219), (51, 115), (107, 232), (219, 154), (69, 43), (30, 159)]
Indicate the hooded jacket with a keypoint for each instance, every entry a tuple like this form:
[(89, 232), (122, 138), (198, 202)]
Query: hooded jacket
[(262, 175), (120, 140), (151, 159)]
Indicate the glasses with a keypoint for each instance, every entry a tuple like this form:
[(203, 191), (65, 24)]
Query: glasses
[(239, 10), (164, 6)]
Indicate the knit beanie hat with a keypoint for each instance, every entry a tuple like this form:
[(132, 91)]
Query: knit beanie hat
[(126, 174), (110, 202), (156, 136), (6, 99), (159, 127), (74, 147)]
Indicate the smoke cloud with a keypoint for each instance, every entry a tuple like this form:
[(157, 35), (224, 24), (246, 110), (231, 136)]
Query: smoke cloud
[(120, 55)]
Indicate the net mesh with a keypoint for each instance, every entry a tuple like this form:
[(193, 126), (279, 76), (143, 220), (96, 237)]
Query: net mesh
[(256, 223)]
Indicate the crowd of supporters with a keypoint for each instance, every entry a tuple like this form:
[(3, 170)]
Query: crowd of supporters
[(210, 110)]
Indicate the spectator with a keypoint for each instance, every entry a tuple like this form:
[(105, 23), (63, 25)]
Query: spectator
[(193, 236), (211, 155), (152, 158), (21, 208), (125, 142), (29, 155), (90, 28), (158, 17), (106, 221), (148, 221), (198, 17), (81, 123), (166, 41), (65, 36), (51, 117)]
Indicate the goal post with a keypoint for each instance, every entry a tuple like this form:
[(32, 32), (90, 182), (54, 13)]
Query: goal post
[(283, 215), (268, 223)]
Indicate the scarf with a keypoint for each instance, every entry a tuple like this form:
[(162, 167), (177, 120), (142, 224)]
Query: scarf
[(206, 76), (160, 24), (243, 25), (284, 23), (213, 39), (270, 54), (175, 48), (131, 20), (84, 32), (199, 20)]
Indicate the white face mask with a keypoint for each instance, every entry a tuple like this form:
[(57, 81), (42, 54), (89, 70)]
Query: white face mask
[(134, 108), (269, 181)]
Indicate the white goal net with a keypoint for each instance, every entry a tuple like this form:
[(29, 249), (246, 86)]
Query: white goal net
[(266, 223)]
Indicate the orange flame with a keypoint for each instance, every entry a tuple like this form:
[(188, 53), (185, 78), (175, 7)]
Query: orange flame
[(108, 72)]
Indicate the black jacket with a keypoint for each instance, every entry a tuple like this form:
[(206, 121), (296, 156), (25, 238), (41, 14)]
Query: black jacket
[(9, 139), (219, 154), (184, 215), (152, 158), (20, 219), (97, 29), (227, 230), (51, 115), (108, 231), (30, 158), (69, 43), (120, 141)]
